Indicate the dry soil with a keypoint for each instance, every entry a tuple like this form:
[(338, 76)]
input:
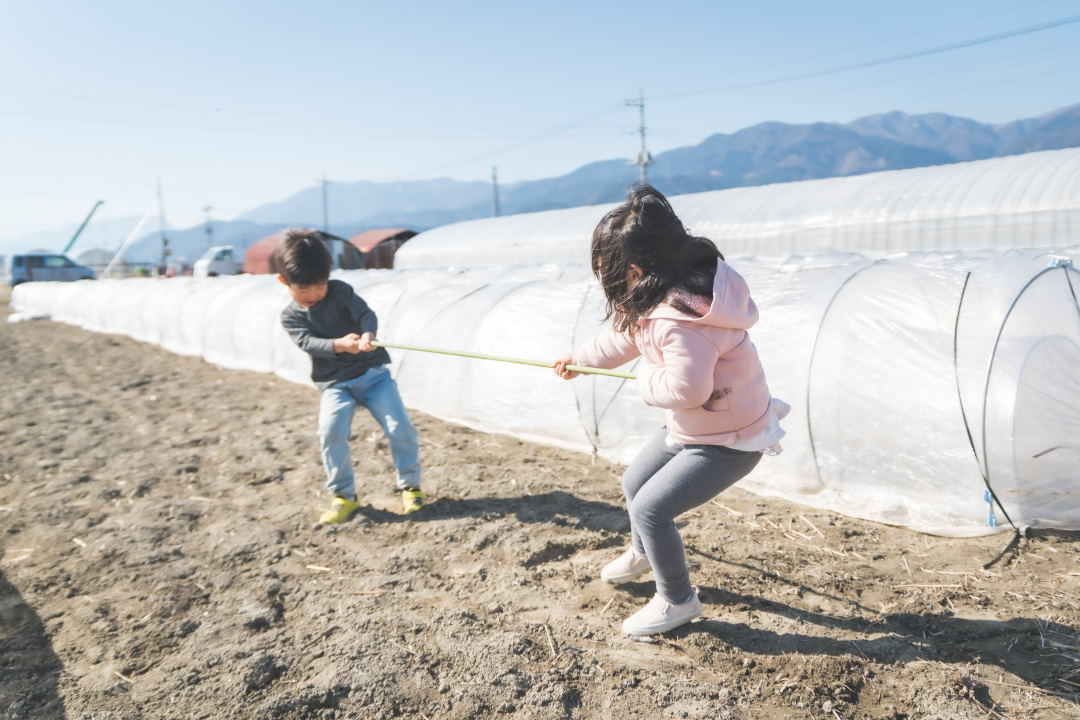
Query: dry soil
[(159, 559)]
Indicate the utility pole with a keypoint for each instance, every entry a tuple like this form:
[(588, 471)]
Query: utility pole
[(495, 190), (644, 158), (165, 252), (209, 227), (325, 207)]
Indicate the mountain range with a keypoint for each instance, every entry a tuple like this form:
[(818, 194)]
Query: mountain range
[(769, 152)]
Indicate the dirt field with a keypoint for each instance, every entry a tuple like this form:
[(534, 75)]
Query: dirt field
[(159, 559)]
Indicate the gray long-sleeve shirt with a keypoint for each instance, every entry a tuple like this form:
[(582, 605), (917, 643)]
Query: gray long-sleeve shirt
[(314, 329)]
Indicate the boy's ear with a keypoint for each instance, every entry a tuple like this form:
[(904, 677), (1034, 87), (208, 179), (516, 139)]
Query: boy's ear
[(283, 281)]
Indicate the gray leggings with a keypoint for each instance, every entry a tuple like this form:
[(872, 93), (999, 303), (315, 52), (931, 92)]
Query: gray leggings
[(662, 483)]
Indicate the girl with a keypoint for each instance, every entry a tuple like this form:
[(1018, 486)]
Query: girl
[(673, 300)]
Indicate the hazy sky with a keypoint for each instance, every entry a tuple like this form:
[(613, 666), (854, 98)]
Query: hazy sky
[(234, 104)]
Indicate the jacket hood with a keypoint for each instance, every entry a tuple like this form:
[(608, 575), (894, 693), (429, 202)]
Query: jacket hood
[(731, 306)]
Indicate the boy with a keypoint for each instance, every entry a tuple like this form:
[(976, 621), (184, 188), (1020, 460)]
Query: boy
[(330, 322)]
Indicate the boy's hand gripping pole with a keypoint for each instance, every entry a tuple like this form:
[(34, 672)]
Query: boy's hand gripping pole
[(498, 358)]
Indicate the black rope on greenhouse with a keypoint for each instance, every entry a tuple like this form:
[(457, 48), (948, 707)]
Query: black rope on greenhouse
[(985, 465), (592, 436), (618, 390), (1015, 540), (810, 366), (1065, 266), (956, 373), (1068, 279)]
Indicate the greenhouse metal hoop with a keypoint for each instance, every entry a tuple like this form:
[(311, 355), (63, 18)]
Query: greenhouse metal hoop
[(593, 433), (577, 402), (960, 399), (813, 353), (1064, 265)]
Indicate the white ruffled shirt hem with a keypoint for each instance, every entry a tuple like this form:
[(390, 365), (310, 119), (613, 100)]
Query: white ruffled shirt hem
[(766, 441)]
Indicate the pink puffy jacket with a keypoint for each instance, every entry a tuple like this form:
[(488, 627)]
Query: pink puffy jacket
[(703, 370)]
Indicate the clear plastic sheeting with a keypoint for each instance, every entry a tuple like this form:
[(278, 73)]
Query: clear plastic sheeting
[(1020, 201), (937, 391), (553, 236)]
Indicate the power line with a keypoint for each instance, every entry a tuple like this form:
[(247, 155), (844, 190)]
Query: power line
[(206, 109), (787, 78), (232, 107), (286, 129), (879, 61), (75, 191), (563, 129), (607, 109)]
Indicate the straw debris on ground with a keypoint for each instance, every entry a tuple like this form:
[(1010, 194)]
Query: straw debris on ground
[(159, 559)]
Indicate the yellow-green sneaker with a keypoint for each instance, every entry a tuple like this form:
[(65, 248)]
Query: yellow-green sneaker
[(341, 509), (412, 499)]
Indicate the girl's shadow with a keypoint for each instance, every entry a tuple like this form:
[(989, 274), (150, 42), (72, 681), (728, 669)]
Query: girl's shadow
[(1016, 645), (1021, 646)]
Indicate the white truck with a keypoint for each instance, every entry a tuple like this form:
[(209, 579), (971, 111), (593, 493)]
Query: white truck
[(218, 260)]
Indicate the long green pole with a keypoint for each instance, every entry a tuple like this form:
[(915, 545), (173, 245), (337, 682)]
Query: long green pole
[(499, 358)]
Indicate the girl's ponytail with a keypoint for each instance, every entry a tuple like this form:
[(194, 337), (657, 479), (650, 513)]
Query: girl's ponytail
[(651, 211)]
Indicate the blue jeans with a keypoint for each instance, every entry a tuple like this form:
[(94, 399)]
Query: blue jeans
[(377, 391)]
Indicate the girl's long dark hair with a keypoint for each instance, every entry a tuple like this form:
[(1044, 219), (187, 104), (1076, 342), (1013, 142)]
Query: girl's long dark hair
[(645, 231)]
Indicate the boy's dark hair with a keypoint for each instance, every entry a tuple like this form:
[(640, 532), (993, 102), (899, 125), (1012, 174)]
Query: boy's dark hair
[(302, 258), (645, 231)]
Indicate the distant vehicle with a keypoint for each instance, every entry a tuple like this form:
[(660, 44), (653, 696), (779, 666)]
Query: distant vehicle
[(40, 267), (178, 268), (218, 260)]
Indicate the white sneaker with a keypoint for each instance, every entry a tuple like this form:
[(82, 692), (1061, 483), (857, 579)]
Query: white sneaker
[(625, 568), (660, 616)]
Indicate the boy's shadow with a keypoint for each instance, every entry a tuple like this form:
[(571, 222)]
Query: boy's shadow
[(899, 638), (557, 506), (29, 669)]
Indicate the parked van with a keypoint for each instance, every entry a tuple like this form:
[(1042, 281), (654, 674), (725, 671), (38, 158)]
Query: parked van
[(41, 267), (218, 260)]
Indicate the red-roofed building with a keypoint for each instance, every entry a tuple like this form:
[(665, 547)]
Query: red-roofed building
[(380, 245), (257, 258)]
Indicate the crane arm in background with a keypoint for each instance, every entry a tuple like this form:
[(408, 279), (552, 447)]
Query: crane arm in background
[(82, 227)]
